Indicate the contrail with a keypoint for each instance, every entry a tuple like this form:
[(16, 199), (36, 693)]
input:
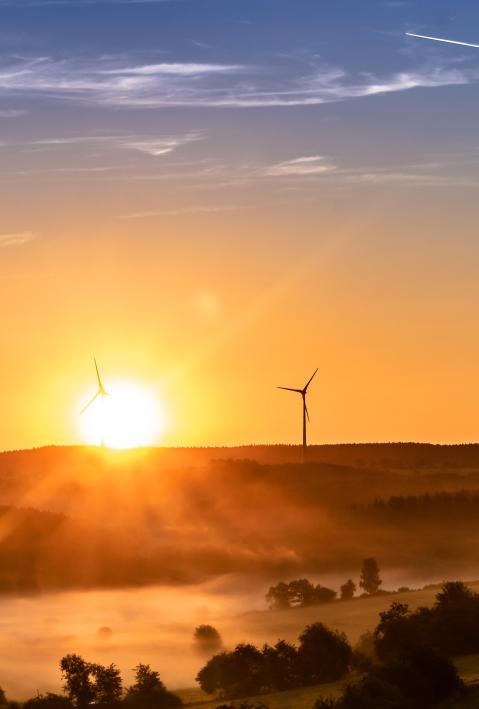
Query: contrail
[(440, 39)]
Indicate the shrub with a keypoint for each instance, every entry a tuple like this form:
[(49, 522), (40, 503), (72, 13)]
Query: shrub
[(324, 654), (207, 639), (149, 692), (48, 701)]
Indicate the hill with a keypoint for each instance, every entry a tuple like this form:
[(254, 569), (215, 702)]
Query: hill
[(187, 515)]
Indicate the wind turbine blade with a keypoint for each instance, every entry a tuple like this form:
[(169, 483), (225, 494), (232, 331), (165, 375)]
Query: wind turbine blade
[(90, 403), (306, 409), (441, 39), (309, 382), (298, 391), (100, 385)]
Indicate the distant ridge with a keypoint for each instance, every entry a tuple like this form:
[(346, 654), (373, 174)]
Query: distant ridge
[(387, 455)]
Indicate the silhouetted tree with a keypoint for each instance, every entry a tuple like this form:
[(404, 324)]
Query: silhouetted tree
[(371, 692), (207, 638), (454, 594), (149, 692), (348, 590), (322, 594), (78, 684), (301, 593), (278, 597), (455, 623), (89, 683), (369, 580), (399, 631), (234, 674), (324, 655), (281, 668), (424, 676), (107, 684), (422, 679)]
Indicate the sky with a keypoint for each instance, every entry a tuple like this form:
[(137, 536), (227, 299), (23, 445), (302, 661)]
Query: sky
[(215, 197)]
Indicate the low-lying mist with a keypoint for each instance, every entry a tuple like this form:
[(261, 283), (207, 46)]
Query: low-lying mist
[(119, 556)]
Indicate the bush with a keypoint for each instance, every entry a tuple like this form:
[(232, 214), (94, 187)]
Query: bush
[(451, 625), (372, 693), (235, 674), (281, 667), (324, 654), (48, 701), (207, 639), (348, 590), (424, 676), (149, 692)]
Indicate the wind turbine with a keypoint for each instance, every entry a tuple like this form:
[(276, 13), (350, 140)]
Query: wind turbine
[(101, 390), (303, 393)]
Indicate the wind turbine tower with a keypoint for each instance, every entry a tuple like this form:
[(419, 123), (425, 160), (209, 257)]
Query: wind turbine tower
[(303, 393)]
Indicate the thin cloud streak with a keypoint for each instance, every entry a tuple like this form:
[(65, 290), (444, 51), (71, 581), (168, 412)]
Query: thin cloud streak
[(311, 165), (150, 145), (182, 211), (105, 82), (19, 239)]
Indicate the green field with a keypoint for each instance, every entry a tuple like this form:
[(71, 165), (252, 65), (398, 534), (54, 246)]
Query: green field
[(304, 698), (293, 699), (352, 617)]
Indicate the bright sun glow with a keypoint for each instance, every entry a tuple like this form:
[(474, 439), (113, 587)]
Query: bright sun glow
[(130, 417)]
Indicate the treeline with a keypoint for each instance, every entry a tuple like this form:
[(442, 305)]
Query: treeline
[(404, 663), (321, 656), (301, 593), (462, 506), (411, 651), (88, 684)]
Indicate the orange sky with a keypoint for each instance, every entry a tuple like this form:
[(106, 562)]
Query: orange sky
[(215, 199), (213, 327)]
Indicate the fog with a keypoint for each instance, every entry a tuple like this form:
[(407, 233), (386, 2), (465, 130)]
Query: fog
[(153, 625), (179, 538)]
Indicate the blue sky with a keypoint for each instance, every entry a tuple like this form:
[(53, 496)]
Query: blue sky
[(210, 64)]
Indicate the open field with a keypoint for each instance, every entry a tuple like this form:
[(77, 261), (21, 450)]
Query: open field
[(155, 625)]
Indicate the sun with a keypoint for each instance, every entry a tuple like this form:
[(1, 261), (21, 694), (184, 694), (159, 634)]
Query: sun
[(130, 416)]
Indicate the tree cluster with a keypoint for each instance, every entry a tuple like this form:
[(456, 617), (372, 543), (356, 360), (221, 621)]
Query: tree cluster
[(88, 684), (420, 679), (301, 593), (298, 594), (414, 650), (321, 656), (451, 626)]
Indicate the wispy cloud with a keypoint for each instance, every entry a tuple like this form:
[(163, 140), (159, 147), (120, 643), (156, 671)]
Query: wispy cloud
[(162, 146), (310, 165), (19, 239), (200, 209), (149, 145), (110, 82), (12, 112)]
